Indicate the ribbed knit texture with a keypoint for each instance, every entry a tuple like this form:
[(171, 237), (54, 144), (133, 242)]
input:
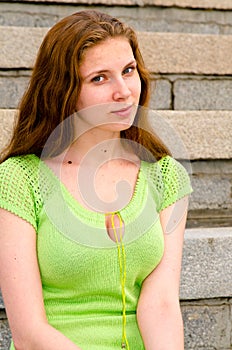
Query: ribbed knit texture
[(78, 261)]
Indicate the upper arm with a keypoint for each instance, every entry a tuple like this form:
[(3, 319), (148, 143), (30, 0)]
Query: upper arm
[(162, 285), (19, 274)]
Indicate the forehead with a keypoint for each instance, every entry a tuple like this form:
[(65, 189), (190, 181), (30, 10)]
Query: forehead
[(110, 50)]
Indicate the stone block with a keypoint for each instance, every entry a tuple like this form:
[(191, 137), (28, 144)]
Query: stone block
[(163, 52), (6, 125), (1, 301), (161, 96), (211, 192), (202, 94), (206, 325), (196, 134), (11, 90), (186, 53), (208, 4), (19, 46), (5, 335), (206, 267), (159, 19)]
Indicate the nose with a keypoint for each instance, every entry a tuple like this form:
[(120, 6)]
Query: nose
[(121, 90)]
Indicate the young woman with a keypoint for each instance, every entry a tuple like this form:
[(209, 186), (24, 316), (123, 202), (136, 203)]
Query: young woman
[(93, 207)]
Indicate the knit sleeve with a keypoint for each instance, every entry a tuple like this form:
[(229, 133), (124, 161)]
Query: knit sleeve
[(176, 182), (17, 193)]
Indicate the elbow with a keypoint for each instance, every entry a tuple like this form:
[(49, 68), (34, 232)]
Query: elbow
[(23, 342)]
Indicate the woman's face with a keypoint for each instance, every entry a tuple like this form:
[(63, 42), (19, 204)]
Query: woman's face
[(110, 83)]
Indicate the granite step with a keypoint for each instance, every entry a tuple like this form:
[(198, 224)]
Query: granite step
[(164, 53)]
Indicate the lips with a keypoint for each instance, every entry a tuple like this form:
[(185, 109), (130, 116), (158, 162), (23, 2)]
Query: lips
[(123, 111)]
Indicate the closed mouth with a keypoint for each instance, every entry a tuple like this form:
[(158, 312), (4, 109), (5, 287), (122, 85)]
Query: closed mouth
[(123, 110)]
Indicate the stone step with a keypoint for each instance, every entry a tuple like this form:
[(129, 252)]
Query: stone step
[(142, 18), (194, 135), (164, 53), (206, 267), (208, 4)]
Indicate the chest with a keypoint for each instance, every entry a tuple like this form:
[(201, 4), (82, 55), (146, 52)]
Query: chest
[(105, 188)]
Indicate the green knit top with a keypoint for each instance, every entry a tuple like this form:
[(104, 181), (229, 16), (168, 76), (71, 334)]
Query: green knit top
[(78, 261)]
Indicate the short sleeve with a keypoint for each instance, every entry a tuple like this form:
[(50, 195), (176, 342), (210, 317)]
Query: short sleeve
[(176, 181), (17, 193)]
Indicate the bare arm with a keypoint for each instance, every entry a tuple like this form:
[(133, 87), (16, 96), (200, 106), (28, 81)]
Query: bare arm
[(159, 315), (22, 290)]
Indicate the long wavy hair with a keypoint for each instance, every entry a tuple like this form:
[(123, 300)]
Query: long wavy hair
[(55, 86)]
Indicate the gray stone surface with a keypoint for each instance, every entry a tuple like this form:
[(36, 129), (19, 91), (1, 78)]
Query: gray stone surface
[(11, 90), (206, 94), (161, 94), (207, 325), (5, 336), (19, 46), (222, 4), (1, 301), (211, 192), (207, 268), (157, 19), (163, 52)]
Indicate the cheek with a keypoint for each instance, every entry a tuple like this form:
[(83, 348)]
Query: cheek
[(137, 87)]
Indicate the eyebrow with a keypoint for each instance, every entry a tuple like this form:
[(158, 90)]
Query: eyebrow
[(107, 70)]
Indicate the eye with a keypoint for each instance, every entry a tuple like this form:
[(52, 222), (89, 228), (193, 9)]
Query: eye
[(129, 70), (98, 79)]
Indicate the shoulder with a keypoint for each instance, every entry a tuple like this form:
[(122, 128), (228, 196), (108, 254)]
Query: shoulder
[(19, 165), (19, 189), (166, 168), (171, 178)]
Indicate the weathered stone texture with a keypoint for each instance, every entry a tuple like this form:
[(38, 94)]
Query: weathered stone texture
[(211, 192), (156, 19), (202, 94), (19, 46), (5, 336), (222, 4), (186, 53), (206, 326), (196, 134), (207, 268), (163, 52), (11, 90), (6, 125), (161, 95)]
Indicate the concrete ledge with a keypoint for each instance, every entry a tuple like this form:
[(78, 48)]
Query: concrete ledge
[(207, 268), (208, 4), (165, 53), (191, 134)]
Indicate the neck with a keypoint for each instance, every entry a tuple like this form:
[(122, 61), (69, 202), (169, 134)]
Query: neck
[(96, 147)]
